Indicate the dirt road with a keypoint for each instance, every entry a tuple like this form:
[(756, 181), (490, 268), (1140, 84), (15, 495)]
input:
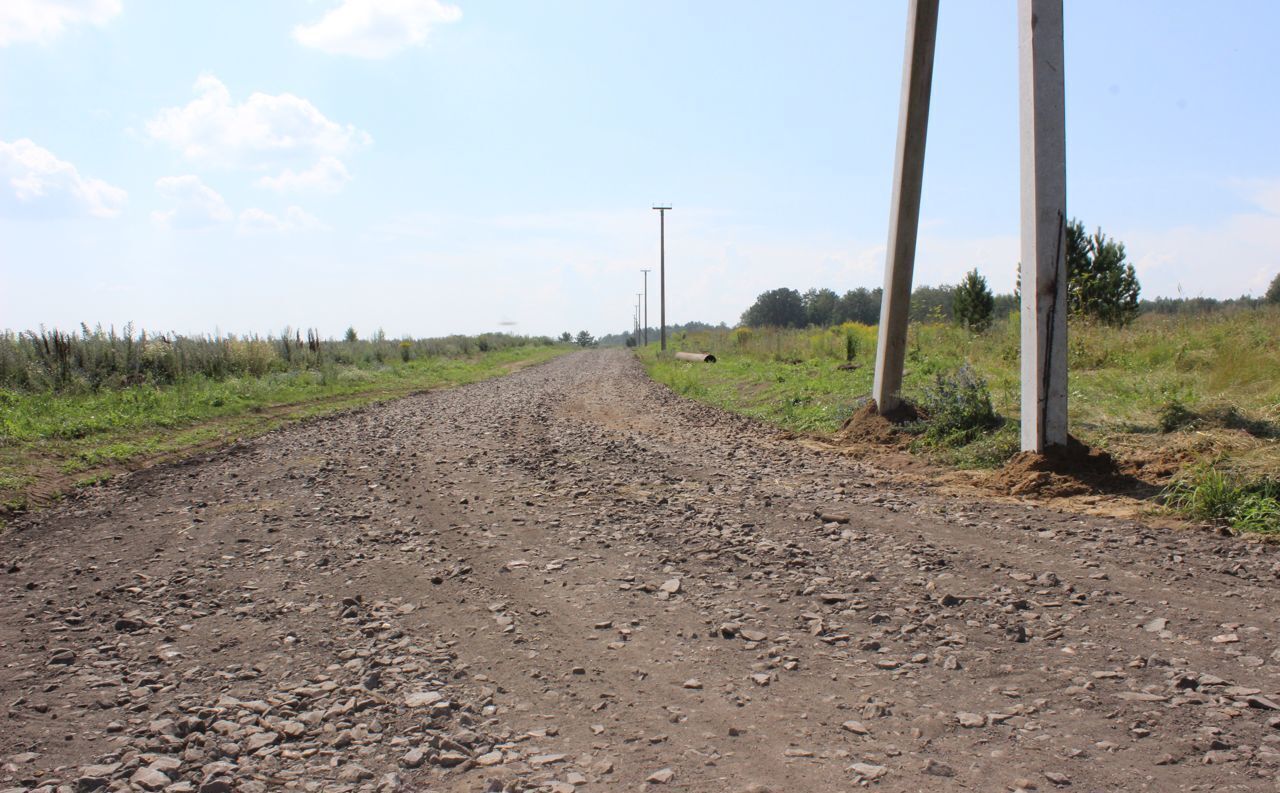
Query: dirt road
[(570, 578)]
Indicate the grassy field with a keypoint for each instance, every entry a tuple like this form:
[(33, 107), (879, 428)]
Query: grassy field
[(1203, 391), (54, 440)]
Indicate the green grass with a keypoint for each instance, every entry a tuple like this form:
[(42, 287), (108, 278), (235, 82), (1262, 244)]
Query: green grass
[(1175, 387), (48, 438), (1209, 493), (804, 397), (42, 415)]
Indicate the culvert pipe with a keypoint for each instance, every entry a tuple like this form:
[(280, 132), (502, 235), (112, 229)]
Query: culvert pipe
[(697, 357)]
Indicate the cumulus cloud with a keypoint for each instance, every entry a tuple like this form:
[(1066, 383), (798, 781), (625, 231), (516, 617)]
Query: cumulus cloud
[(257, 221), (263, 132), (38, 184), (195, 204), (41, 21), (375, 28), (326, 176)]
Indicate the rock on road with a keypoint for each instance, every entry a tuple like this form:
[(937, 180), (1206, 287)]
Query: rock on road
[(570, 578)]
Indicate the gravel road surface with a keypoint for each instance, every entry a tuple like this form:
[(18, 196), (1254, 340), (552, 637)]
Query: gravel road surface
[(571, 579)]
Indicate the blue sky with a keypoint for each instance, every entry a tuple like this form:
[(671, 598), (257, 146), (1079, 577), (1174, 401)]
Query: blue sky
[(428, 167)]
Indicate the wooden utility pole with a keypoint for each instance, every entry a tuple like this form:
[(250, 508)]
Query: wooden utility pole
[(904, 212), (1042, 117), (662, 273)]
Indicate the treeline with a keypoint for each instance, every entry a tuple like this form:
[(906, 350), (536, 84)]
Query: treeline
[(94, 359), (1100, 285), (788, 308), (1202, 305)]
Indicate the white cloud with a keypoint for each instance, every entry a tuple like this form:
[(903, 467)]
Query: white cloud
[(38, 184), (1228, 257), (42, 21), (295, 219), (263, 132), (195, 204), (375, 28), (326, 176)]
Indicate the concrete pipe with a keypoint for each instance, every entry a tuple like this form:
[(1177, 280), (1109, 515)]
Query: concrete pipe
[(700, 357)]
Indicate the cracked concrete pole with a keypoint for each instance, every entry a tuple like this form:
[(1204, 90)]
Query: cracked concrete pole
[(904, 212), (1042, 117)]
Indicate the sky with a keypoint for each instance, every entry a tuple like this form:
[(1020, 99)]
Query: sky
[(427, 167)]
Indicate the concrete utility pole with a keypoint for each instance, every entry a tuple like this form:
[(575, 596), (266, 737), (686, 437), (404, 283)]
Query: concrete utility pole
[(646, 307), (904, 212), (1042, 117), (638, 295), (662, 273)]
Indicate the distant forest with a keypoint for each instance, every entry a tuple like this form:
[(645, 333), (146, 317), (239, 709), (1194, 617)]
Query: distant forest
[(824, 307)]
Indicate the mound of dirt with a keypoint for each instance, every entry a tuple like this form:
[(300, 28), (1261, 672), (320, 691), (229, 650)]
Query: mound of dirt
[(1071, 470), (866, 426)]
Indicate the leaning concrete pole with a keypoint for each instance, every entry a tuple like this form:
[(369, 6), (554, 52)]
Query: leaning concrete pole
[(904, 212), (1042, 117)]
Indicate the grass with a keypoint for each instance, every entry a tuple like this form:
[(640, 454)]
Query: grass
[(1178, 388), (51, 442), (1209, 493)]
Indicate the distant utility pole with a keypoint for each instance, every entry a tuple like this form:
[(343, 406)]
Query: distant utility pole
[(646, 307), (638, 295), (662, 273)]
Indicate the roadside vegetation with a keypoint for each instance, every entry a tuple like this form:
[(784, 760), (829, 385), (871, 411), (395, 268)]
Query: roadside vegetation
[(1193, 394), (1187, 390), (77, 407)]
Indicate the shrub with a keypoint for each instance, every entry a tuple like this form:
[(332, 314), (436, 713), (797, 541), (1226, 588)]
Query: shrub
[(1174, 416), (958, 409)]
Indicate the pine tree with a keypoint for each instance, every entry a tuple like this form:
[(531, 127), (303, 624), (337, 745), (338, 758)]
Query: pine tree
[(973, 302), (1100, 283), (1273, 291)]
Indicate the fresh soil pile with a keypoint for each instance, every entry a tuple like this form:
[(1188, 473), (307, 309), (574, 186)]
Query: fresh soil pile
[(1071, 470), (866, 426)]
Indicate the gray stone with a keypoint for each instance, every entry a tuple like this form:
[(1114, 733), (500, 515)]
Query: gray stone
[(149, 779)]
